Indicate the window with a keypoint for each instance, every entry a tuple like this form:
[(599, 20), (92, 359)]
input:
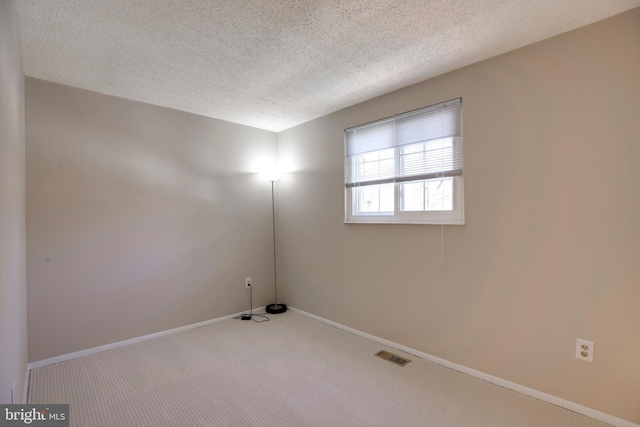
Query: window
[(407, 168)]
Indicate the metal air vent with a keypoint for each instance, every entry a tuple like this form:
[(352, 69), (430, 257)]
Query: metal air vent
[(393, 358)]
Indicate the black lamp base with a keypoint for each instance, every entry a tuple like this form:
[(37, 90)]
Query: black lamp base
[(276, 308)]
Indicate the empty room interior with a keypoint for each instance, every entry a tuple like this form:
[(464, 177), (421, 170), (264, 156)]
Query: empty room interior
[(454, 183)]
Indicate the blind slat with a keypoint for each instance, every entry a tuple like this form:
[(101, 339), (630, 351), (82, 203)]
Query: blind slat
[(420, 144), (435, 157), (426, 124)]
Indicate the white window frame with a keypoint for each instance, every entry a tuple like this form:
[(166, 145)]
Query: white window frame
[(353, 176)]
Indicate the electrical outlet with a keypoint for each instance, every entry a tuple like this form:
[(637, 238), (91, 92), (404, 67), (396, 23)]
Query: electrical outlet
[(584, 350), (247, 283)]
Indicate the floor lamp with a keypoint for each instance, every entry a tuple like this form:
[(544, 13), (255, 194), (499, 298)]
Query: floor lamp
[(275, 308)]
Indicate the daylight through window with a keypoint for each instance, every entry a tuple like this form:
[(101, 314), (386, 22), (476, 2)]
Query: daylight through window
[(407, 168)]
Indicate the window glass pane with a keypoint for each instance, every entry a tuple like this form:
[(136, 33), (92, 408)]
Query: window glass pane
[(374, 198), (375, 165), (386, 198), (429, 195), (386, 154), (415, 148), (438, 194), (413, 196)]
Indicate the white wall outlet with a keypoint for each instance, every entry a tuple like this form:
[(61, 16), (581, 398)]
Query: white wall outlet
[(247, 283), (584, 350)]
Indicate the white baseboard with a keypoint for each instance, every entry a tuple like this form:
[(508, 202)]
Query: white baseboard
[(554, 400), (65, 357)]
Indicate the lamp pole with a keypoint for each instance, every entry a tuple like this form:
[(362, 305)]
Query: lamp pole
[(275, 308)]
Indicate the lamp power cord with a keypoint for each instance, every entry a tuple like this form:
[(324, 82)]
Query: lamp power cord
[(251, 314)]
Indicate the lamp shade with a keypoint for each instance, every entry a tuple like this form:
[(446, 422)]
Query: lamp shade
[(272, 175)]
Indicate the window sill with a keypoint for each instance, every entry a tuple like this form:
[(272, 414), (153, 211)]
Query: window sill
[(404, 222)]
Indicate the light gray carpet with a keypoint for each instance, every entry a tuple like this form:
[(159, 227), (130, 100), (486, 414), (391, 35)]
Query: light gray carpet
[(291, 371)]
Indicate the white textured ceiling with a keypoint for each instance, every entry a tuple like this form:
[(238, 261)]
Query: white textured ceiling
[(274, 64)]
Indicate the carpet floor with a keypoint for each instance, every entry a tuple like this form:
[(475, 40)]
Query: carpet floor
[(290, 371)]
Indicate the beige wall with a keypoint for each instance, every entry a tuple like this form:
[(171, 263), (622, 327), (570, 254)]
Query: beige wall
[(13, 285), (552, 241), (139, 218)]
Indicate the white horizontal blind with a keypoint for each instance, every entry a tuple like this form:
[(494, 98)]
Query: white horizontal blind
[(417, 145)]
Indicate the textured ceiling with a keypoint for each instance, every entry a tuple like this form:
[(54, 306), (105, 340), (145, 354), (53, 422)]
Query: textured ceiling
[(274, 64)]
